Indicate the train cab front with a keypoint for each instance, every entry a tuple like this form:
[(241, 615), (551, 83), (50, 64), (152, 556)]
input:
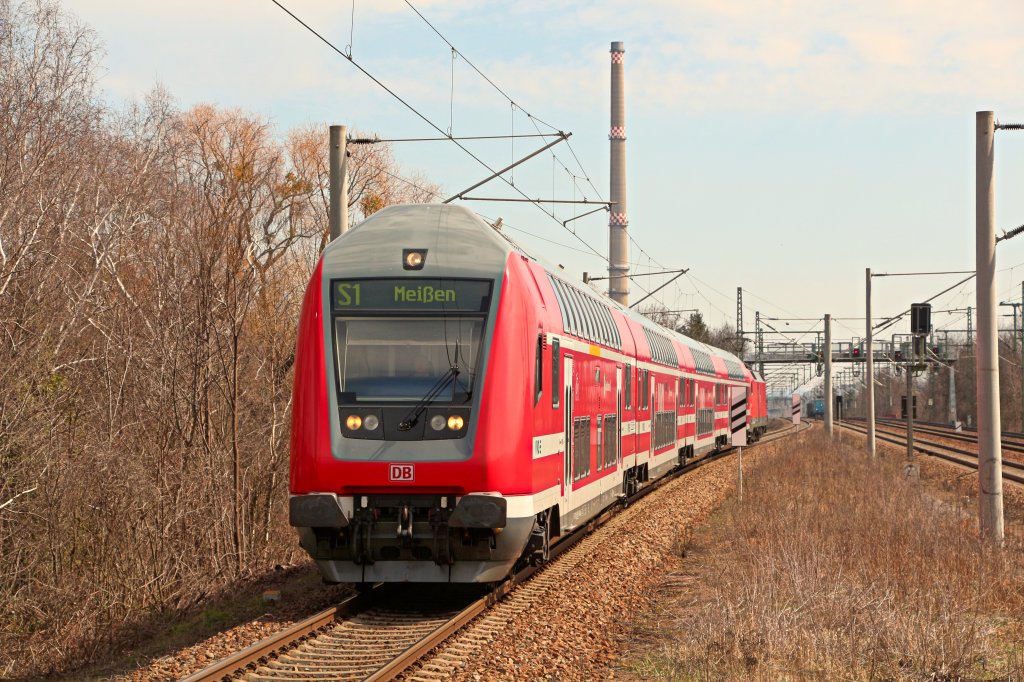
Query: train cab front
[(394, 490)]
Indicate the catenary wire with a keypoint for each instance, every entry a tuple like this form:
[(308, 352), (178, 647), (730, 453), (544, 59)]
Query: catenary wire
[(426, 120)]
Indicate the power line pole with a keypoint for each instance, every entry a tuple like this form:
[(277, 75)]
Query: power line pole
[(759, 341), (990, 464), (739, 319), (829, 399), (910, 400), (870, 369), (952, 395), (337, 216), (970, 326)]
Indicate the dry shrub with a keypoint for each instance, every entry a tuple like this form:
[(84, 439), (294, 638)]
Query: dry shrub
[(835, 566)]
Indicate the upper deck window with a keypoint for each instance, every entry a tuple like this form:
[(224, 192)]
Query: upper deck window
[(585, 315)]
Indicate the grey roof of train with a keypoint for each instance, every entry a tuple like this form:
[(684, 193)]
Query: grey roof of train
[(472, 235), (452, 235)]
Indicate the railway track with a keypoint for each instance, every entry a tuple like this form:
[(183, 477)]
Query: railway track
[(377, 635), (1011, 442), (1012, 471)]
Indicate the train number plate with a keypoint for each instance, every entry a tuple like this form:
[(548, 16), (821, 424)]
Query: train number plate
[(401, 472)]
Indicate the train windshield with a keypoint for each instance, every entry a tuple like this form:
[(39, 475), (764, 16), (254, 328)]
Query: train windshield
[(404, 358)]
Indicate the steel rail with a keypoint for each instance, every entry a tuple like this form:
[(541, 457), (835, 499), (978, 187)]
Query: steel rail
[(1011, 441), (969, 429), (239, 661), (279, 643), (941, 452)]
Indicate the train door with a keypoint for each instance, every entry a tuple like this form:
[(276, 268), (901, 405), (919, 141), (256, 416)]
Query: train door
[(618, 415), (652, 388), (567, 474)]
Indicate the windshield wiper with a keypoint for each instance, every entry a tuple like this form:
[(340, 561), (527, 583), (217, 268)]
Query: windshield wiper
[(431, 395)]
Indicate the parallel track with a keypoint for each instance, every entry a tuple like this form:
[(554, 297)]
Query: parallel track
[(1011, 442), (1012, 471), (377, 635)]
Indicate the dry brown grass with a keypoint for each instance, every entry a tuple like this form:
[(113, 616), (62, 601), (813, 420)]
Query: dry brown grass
[(835, 567)]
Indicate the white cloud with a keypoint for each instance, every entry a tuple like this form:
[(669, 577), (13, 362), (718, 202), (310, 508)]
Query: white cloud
[(701, 55)]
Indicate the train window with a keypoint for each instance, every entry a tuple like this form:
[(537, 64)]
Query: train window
[(602, 333), (405, 358), (574, 304), (628, 393), (556, 372), (588, 318), (557, 286), (600, 443), (589, 313), (574, 320), (645, 387), (580, 447), (583, 329), (602, 316), (538, 373), (679, 395), (588, 310), (595, 328), (611, 440), (570, 317), (616, 339), (599, 318)]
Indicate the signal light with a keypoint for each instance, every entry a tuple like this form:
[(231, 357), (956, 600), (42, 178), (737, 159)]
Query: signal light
[(899, 355), (856, 352)]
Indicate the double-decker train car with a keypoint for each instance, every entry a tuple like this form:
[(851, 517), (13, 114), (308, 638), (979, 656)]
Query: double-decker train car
[(457, 404)]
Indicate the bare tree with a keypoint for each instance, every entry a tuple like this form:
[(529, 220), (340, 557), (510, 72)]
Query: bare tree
[(152, 265)]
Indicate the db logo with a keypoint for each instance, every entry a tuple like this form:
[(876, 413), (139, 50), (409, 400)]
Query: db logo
[(401, 472)]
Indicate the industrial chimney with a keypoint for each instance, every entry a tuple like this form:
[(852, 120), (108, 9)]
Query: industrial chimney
[(618, 223)]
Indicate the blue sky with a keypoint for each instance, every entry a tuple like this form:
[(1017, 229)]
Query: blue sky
[(782, 147)]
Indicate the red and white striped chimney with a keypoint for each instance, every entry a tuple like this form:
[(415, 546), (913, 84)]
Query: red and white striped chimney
[(618, 222)]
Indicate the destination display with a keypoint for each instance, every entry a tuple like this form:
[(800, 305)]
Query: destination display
[(410, 294)]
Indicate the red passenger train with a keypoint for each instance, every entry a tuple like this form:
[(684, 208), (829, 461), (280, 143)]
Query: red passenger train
[(457, 404)]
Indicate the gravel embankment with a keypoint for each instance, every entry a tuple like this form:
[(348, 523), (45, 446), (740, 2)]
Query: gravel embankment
[(575, 629)]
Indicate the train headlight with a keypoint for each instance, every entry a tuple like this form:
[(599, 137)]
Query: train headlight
[(437, 422), (413, 259), (455, 422), (371, 422), (353, 422)]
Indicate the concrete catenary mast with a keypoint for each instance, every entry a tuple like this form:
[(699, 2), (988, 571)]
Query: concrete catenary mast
[(618, 223)]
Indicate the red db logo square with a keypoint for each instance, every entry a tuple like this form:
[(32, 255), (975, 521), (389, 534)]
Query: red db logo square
[(401, 472)]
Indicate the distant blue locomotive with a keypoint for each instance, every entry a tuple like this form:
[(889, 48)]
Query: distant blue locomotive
[(815, 408)]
